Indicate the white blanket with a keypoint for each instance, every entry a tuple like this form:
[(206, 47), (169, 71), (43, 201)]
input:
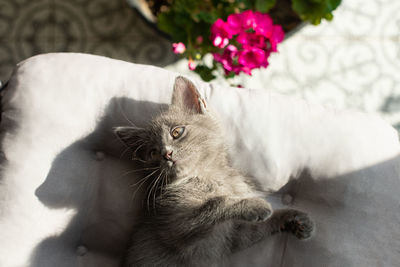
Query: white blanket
[(65, 194)]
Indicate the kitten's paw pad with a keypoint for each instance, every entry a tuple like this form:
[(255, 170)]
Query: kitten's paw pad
[(255, 210), (300, 225)]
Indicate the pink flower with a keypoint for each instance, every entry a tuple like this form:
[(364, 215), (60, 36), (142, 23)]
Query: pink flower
[(191, 64), (251, 57), (252, 39), (255, 35), (226, 59), (262, 24), (276, 37), (199, 39), (220, 42), (244, 69), (178, 48), (220, 33), (265, 63), (240, 22)]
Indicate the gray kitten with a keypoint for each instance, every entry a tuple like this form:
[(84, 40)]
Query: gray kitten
[(199, 209)]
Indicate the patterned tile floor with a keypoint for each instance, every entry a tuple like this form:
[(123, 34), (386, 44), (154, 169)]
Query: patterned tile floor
[(104, 27), (352, 62)]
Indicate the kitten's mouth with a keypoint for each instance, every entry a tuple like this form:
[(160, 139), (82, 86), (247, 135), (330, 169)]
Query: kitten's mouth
[(170, 163), (168, 158)]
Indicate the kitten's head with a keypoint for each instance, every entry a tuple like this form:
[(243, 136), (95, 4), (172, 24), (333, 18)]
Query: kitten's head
[(183, 140)]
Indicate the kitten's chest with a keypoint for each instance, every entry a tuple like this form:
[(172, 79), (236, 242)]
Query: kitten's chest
[(195, 191), (200, 189)]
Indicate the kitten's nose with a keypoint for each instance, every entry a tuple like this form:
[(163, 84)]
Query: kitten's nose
[(168, 155)]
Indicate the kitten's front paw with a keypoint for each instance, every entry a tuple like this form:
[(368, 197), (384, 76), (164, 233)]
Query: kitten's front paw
[(255, 210), (300, 224)]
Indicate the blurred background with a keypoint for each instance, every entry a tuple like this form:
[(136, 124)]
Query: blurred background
[(352, 62)]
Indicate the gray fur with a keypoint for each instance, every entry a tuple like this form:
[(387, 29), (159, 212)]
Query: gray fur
[(199, 209)]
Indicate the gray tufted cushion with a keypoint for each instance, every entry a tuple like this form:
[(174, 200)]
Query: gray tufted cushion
[(66, 194)]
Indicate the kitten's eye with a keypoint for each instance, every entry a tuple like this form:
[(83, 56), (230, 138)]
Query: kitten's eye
[(177, 132)]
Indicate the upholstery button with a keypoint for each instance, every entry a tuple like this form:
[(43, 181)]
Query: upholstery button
[(100, 155), (287, 199), (81, 250)]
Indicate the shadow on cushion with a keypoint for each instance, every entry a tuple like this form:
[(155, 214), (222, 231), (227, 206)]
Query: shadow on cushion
[(92, 177)]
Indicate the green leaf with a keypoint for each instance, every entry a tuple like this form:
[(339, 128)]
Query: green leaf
[(315, 10), (165, 24), (264, 5), (208, 17), (205, 72), (333, 4), (230, 75), (329, 16)]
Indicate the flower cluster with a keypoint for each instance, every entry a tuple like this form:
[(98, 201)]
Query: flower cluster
[(248, 38)]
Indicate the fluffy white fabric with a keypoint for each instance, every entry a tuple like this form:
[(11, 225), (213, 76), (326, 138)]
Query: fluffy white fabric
[(65, 194)]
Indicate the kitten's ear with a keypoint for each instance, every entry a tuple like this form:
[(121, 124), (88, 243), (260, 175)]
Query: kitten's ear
[(129, 135), (186, 96)]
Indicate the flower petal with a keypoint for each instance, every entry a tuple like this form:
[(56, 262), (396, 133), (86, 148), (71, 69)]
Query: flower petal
[(178, 48)]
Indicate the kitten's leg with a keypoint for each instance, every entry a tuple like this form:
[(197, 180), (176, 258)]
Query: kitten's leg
[(250, 209), (196, 223), (219, 209), (246, 234)]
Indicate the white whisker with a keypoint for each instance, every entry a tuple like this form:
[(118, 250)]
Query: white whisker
[(138, 170), (151, 189), (123, 152), (142, 181), (132, 185), (126, 117)]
